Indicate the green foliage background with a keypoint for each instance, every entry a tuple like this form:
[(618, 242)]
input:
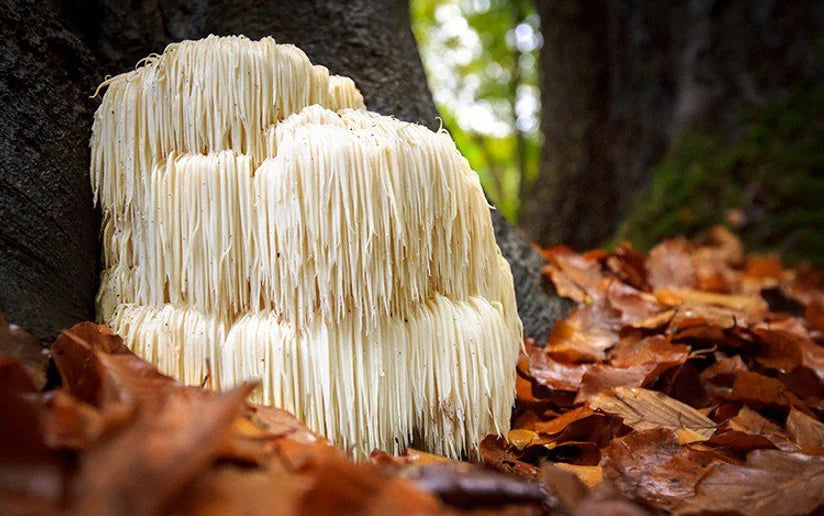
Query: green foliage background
[(487, 77)]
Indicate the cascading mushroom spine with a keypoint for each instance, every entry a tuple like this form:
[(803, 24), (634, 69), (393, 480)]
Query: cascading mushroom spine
[(258, 217)]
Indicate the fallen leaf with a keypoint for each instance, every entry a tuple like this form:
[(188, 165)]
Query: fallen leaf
[(683, 383), (655, 350), (759, 391), (784, 351), (601, 377), (577, 276), (723, 371), (18, 344), (670, 265), (805, 431), (338, 486), (31, 478), (634, 305), (143, 466), (814, 313), (643, 409), (565, 485), (559, 424), (652, 467), (553, 373), (70, 424), (591, 476), (770, 483), (581, 426), (229, 489), (753, 305), (494, 452), (692, 313), (521, 438), (585, 335), (610, 507), (748, 430), (467, 486)]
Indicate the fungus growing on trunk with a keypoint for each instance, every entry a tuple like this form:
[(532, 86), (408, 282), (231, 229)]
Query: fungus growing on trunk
[(258, 222)]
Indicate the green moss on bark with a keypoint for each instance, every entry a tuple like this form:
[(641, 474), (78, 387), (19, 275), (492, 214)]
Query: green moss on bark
[(767, 183)]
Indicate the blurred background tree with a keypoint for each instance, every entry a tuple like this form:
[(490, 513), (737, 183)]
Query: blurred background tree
[(658, 118)]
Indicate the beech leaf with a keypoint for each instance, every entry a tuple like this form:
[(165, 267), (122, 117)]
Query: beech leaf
[(806, 432), (771, 483), (643, 409)]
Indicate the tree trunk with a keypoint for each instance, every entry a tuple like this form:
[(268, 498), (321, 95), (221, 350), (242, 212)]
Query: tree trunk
[(573, 200), (367, 40), (48, 230), (620, 81)]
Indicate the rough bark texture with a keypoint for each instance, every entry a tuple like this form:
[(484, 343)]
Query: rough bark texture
[(370, 41), (48, 230), (620, 81)]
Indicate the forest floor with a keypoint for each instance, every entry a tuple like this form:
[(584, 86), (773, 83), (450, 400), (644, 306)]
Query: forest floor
[(687, 380)]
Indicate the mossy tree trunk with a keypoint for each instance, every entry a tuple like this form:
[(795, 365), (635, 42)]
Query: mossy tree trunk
[(58, 51), (621, 81)]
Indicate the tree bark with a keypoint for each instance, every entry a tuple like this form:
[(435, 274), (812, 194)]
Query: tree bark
[(48, 230), (575, 192), (369, 41), (621, 81)]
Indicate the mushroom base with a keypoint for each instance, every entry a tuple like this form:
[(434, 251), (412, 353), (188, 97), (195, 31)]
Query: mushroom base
[(445, 374)]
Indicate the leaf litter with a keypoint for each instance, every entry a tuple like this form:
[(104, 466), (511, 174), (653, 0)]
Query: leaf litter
[(688, 380)]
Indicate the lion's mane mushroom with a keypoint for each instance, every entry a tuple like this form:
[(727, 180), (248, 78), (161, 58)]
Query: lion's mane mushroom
[(259, 223)]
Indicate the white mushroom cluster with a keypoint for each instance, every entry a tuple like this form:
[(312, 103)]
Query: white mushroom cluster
[(259, 223)]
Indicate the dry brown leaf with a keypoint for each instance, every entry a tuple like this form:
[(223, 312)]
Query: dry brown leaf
[(670, 265), (521, 438), (578, 277), (763, 267), (770, 483), (564, 484), (805, 431), (692, 313), (338, 486), (630, 266), (18, 344), (585, 335), (723, 371), (152, 459), (553, 373), (635, 306), (468, 486), (759, 391), (31, 477), (748, 430), (591, 476), (655, 350), (643, 409), (601, 377), (814, 313), (651, 466), (753, 305), (495, 453), (784, 351), (559, 424)]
